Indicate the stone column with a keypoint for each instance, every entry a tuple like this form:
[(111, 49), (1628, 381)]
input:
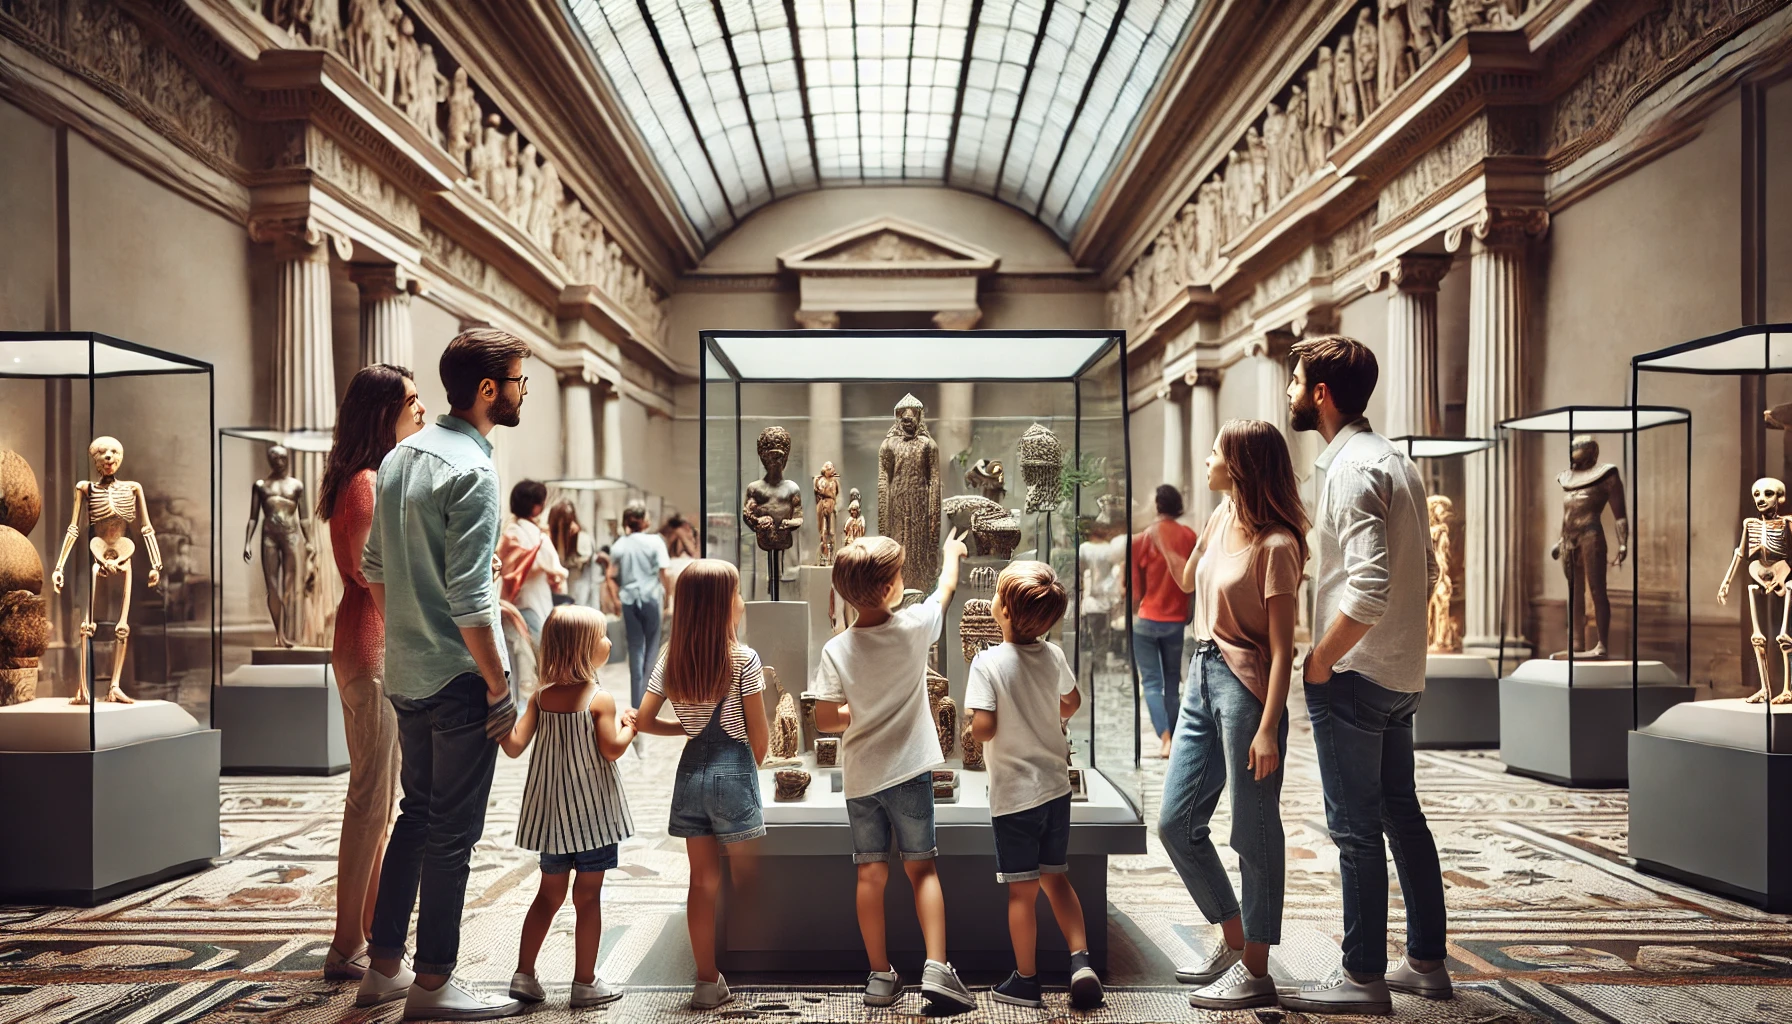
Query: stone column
[(385, 315), (1175, 468), (1411, 378), (817, 319), (612, 460), (578, 431), (304, 362), (827, 442), (951, 423), (1203, 427), (1493, 520)]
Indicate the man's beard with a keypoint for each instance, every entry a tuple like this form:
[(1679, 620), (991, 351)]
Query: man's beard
[(1303, 412), (505, 413)]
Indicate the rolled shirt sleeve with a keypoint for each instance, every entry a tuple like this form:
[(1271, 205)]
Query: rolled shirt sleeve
[(1359, 516), (468, 542)]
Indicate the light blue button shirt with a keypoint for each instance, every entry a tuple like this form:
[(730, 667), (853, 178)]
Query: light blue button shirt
[(436, 520)]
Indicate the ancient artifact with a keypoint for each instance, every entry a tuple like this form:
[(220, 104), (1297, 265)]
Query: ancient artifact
[(945, 784), (792, 783), (937, 687), (1041, 465), (996, 530), (827, 495), (855, 519), (1588, 487), (1394, 59), (787, 738), (108, 506), (827, 752), (977, 629), (1767, 544), (288, 557), (1078, 790), (987, 478), (1442, 634), (972, 747), (945, 722), (24, 626), (983, 579), (908, 493), (774, 505)]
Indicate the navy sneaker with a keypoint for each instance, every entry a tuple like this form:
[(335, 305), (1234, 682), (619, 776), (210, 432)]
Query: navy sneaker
[(1019, 991)]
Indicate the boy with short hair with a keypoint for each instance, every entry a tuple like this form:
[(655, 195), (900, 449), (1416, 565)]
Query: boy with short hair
[(871, 686), (1020, 692)]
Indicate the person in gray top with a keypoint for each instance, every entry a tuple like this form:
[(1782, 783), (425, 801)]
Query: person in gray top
[(638, 564), (1365, 676)]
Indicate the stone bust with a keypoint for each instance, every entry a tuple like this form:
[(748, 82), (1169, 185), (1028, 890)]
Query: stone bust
[(773, 508)]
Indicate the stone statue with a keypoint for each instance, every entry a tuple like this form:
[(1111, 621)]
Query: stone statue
[(1322, 110), (1182, 242), (278, 503), (366, 34), (487, 157), (791, 783), (528, 187), (827, 496), (908, 493), (971, 747), (1367, 63), (509, 166), (405, 66), (1393, 64), (995, 529), (774, 505), (24, 626), (787, 738), (548, 193), (1767, 544), (987, 478), (855, 521), (977, 629), (1443, 635), (463, 122), (1421, 18), (108, 506), (386, 55), (1259, 170), (1350, 110), (1589, 486), (1041, 466), (945, 722), (1275, 134), (1294, 142)]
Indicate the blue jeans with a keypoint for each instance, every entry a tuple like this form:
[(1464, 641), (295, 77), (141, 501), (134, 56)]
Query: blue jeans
[(641, 622), (905, 809), (1219, 718), (604, 858), (446, 772), (1157, 650), (1363, 736)]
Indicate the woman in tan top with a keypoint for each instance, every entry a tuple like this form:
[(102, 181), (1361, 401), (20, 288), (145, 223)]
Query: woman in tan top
[(1245, 573)]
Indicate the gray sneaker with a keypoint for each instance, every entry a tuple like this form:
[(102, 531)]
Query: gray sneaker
[(707, 995), (883, 988), (1217, 963), (941, 987), (1431, 984), (526, 987), (1237, 989), (597, 993), (1339, 993)]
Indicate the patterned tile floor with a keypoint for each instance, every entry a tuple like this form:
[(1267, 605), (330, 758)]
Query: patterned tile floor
[(1548, 921)]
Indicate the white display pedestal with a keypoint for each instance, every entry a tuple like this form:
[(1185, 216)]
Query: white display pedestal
[(815, 584), (779, 631), (1461, 707), (282, 715), (1577, 736)]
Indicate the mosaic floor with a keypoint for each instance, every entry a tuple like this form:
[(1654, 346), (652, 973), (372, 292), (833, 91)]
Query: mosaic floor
[(1548, 922)]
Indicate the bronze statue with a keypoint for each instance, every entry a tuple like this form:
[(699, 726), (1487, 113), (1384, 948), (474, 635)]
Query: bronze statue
[(1442, 632), (827, 496), (773, 506), (987, 478), (908, 494), (278, 504), (855, 520), (109, 506), (1041, 466), (1588, 487), (1767, 544)]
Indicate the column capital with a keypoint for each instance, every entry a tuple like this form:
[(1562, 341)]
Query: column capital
[(818, 319), (1500, 227), (383, 281), (299, 238), (1315, 321), (1204, 377), (1413, 272), (957, 319)]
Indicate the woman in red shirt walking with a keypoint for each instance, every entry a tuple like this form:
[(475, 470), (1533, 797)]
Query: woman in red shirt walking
[(1160, 613)]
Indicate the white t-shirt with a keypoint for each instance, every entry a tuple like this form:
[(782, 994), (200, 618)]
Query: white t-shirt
[(1027, 759), (881, 673)]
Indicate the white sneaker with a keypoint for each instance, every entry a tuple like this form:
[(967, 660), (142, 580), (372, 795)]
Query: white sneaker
[(526, 987), (597, 993), (707, 995), (1341, 993), (454, 1002), (376, 988), (1402, 977), (1237, 989), (1217, 963)]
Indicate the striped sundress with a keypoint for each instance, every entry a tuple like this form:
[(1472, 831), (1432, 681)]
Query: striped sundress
[(573, 801)]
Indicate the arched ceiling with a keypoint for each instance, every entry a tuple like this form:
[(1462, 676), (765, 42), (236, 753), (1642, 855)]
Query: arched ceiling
[(743, 102)]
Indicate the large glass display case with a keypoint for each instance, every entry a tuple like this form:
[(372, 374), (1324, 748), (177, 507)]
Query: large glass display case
[(108, 627)]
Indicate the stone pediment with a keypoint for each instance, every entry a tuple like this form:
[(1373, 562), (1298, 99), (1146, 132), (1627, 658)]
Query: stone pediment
[(888, 246)]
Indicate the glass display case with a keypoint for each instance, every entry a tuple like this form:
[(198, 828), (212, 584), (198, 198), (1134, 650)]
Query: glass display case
[(108, 627)]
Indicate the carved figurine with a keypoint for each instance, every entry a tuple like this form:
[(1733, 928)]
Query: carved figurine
[(1367, 63), (1393, 59), (972, 748), (1350, 109), (1041, 466), (1767, 544), (908, 493), (787, 738), (24, 627), (855, 520), (977, 629), (986, 478), (827, 496), (1443, 635), (1322, 109), (945, 721), (774, 505), (827, 752), (995, 529), (1589, 486), (792, 783), (463, 121), (108, 506), (288, 556), (1421, 17)]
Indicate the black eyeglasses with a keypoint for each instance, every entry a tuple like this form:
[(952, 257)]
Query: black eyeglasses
[(523, 380)]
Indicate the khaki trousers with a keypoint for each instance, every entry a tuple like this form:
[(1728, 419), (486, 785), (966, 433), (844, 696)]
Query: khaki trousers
[(372, 732)]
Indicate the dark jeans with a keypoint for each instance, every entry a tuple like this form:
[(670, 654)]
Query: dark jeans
[(1363, 735), (641, 621), (1157, 650), (446, 772)]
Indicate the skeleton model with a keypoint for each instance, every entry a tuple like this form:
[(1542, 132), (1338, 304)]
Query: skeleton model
[(1444, 635), (773, 506), (1767, 544), (827, 497), (110, 506), (279, 505), (1588, 486)]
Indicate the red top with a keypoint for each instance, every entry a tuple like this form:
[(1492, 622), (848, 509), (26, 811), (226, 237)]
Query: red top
[(1161, 600), (360, 647)]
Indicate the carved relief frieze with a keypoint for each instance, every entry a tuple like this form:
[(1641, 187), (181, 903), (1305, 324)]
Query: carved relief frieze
[(479, 276), (1354, 242), (1459, 153), (361, 182)]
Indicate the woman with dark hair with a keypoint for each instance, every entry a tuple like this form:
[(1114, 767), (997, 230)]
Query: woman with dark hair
[(1160, 613), (380, 409), (576, 549), (1250, 563)]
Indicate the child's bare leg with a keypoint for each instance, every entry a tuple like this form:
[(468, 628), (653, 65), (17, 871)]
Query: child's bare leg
[(1067, 909), (872, 878), (588, 932), (539, 919), (705, 854), (930, 905), (1023, 925)]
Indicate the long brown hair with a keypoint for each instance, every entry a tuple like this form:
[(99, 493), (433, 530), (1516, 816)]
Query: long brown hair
[(366, 429), (570, 640), (698, 654), (1264, 490), (563, 522)]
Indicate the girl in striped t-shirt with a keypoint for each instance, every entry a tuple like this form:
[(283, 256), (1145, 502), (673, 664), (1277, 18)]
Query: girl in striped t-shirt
[(714, 685), (574, 810)]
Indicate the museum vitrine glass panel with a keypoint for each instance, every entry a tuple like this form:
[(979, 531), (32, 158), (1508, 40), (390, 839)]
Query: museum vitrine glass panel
[(1017, 440), (107, 542)]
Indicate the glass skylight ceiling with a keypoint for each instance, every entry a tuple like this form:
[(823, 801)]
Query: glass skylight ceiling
[(747, 101)]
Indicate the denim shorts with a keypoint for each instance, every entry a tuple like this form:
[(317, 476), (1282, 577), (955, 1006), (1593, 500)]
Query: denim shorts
[(601, 859), (717, 798), (906, 809), (1033, 842)]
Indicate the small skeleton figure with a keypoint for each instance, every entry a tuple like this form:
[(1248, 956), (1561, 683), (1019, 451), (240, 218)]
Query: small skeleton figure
[(288, 558), (109, 506), (1767, 544), (1588, 486), (827, 497), (855, 521)]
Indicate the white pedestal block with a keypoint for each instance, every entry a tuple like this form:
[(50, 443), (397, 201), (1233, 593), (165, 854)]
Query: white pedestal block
[(779, 631), (1577, 735), (816, 586), (53, 724)]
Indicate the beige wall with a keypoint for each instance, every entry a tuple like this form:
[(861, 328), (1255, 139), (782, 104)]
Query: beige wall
[(27, 221)]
